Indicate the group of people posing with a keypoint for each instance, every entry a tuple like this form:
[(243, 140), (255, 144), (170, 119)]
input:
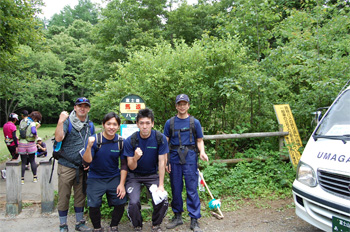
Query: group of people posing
[(27, 144), (97, 164)]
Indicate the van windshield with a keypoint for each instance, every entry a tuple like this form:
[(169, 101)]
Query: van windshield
[(337, 120)]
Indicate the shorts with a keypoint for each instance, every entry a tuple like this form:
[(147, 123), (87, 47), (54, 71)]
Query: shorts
[(12, 150), (27, 148), (96, 188)]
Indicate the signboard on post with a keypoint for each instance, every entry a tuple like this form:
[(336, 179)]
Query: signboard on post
[(128, 129), (293, 141), (130, 106)]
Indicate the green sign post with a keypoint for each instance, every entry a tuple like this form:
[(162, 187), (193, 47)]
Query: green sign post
[(130, 106)]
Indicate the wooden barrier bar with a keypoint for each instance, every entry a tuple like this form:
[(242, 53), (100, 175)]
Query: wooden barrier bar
[(13, 187), (47, 189), (245, 135)]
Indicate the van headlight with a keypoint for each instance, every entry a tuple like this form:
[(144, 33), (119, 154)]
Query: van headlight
[(306, 175)]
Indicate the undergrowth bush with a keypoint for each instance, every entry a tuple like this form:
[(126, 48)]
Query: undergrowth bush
[(270, 178)]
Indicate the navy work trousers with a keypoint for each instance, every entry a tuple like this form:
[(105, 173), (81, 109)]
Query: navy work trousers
[(190, 173)]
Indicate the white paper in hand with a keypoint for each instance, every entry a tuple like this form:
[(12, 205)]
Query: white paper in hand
[(159, 196)]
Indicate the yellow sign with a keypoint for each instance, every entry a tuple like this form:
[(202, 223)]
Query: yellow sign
[(293, 141)]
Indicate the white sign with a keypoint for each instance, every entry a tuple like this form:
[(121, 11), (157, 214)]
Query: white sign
[(128, 129)]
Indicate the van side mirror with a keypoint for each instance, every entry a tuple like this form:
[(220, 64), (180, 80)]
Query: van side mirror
[(318, 114)]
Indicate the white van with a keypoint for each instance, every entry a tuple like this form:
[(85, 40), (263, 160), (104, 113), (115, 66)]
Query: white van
[(321, 189)]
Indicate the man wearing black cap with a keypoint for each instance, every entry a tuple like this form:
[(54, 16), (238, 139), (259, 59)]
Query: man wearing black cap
[(185, 137), (73, 130)]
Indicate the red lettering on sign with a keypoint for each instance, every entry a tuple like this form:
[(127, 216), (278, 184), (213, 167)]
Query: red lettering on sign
[(127, 106)]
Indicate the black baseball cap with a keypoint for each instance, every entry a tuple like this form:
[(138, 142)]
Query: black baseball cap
[(182, 97), (82, 100)]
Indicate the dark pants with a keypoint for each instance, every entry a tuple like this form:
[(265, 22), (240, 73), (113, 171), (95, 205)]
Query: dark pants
[(133, 189), (30, 158), (12, 150), (190, 173)]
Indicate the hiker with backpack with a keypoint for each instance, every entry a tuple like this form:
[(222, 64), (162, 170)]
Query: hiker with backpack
[(27, 146), (185, 137), (145, 151), (103, 155), (11, 139), (73, 131)]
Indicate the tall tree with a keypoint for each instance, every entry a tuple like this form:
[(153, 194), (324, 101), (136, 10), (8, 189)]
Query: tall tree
[(85, 10), (18, 25)]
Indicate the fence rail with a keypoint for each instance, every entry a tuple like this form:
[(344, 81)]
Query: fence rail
[(280, 134), (245, 135)]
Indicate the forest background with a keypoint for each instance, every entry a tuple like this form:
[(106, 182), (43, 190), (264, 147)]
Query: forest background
[(235, 60)]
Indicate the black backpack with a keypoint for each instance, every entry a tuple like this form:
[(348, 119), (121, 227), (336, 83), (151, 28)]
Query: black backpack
[(135, 140), (99, 142)]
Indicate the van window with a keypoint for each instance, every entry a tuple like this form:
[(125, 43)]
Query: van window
[(337, 120)]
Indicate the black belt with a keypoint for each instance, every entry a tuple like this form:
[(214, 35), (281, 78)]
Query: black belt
[(175, 147)]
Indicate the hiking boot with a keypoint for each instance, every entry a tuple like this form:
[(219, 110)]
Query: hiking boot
[(64, 228), (176, 221), (80, 226), (138, 229), (194, 225), (113, 229), (156, 229)]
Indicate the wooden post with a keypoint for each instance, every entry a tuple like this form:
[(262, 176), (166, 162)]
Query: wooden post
[(47, 189), (281, 138), (13, 187)]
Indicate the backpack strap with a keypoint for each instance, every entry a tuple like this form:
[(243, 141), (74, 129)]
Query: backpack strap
[(134, 140), (192, 129), (98, 141), (172, 126), (92, 127), (120, 143), (159, 137)]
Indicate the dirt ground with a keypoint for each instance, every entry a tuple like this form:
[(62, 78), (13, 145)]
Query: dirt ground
[(262, 216)]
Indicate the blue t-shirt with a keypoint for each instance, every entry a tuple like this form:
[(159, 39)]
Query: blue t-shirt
[(148, 163), (105, 162), (179, 123)]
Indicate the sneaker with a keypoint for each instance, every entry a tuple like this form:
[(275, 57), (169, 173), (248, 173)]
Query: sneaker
[(80, 226), (27, 167), (35, 179), (138, 229), (22, 181), (3, 174), (113, 229), (64, 228), (195, 226), (156, 229), (176, 221)]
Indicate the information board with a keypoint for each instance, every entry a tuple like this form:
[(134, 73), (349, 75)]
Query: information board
[(130, 106), (293, 141), (128, 129)]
